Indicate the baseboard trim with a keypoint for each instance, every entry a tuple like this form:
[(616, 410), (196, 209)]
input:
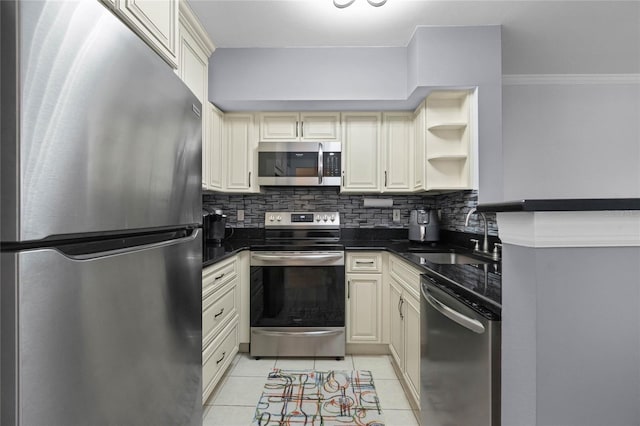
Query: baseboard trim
[(367, 349)]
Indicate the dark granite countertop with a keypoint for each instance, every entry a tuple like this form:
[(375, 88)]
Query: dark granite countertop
[(567, 204), (480, 282)]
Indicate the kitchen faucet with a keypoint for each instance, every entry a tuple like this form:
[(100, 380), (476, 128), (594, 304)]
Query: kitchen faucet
[(485, 243)]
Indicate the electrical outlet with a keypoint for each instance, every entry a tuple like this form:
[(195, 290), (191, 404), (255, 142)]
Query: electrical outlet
[(240, 215), (396, 215)]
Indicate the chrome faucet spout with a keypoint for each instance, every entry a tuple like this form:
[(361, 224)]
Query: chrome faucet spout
[(472, 211), (485, 242)]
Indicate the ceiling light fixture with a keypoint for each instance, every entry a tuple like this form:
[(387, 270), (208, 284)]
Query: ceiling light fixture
[(341, 4)]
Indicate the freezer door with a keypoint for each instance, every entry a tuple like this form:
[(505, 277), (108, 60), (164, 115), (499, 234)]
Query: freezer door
[(101, 135), (113, 338)]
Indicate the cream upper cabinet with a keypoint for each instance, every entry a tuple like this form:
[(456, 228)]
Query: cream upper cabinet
[(194, 49), (361, 165), (449, 140), (155, 21), (240, 145), (294, 126), (418, 148), (397, 130), (320, 126), (215, 151)]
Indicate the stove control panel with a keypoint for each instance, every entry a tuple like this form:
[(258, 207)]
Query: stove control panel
[(302, 219)]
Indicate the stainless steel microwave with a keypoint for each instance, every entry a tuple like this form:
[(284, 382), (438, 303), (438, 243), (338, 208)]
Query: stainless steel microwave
[(299, 163)]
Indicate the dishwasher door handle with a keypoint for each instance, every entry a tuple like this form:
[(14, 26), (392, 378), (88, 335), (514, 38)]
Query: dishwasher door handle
[(453, 315), (297, 333)]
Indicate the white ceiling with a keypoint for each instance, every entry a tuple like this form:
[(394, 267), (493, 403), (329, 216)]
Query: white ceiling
[(538, 36)]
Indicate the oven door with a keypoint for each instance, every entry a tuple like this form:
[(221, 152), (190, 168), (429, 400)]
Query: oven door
[(299, 163), (297, 305)]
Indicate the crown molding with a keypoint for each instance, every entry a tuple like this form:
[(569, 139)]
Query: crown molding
[(568, 79), (571, 229), (190, 20)]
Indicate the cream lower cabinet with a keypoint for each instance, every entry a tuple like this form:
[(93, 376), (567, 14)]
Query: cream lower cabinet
[(404, 317), (221, 298), (364, 297)]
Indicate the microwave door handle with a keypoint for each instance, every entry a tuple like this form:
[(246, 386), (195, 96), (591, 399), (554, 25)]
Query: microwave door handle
[(320, 163)]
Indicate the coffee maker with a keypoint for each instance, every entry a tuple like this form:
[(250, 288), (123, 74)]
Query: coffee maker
[(424, 226), (213, 222)]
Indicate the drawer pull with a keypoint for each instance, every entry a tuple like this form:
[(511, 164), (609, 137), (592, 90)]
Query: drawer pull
[(360, 262), (220, 360), (219, 313), (219, 276)]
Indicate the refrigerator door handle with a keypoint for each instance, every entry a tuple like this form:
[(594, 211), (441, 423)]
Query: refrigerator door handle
[(194, 233)]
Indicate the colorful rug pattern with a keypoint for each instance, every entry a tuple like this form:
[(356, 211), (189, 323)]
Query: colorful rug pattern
[(314, 398)]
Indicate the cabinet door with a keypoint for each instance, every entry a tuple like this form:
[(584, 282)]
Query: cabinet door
[(363, 305), (361, 152), (396, 338), (215, 147), (156, 21), (398, 143), (279, 126), (412, 344), (239, 148), (206, 145), (320, 126), (419, 157), (193, 68)]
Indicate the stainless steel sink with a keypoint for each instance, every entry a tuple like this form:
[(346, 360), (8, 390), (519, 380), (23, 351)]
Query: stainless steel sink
[(449, 258)]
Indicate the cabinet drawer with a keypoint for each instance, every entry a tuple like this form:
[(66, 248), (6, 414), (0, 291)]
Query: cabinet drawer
[(217, 309), (405, 274), (364, 262), (217, 356), (216, 275)]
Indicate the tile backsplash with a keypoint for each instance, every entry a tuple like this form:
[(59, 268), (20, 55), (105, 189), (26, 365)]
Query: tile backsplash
[(453, 207)]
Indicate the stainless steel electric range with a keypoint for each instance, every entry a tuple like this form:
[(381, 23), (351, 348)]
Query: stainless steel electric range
[(298, 287)]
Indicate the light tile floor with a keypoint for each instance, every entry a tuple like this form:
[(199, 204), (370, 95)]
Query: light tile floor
[(234, 400)]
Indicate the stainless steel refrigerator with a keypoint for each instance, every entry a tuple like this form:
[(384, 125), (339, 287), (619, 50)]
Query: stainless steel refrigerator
[(100, 309)]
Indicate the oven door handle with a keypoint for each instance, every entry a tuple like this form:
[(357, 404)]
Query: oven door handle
[(283, 258), (298, 333)]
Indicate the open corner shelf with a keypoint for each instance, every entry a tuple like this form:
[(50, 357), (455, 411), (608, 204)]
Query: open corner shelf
[(447, 157), (447, 126)]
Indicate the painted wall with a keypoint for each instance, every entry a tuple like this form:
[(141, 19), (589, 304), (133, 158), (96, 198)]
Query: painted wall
[(565, 137), (373, 78), (329, 78), (577, 361)]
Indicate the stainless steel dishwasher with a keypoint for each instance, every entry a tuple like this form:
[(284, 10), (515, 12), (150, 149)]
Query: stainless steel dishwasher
[(459, 358)]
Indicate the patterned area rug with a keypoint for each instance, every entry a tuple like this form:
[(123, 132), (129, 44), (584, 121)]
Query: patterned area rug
[(314, 398)]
